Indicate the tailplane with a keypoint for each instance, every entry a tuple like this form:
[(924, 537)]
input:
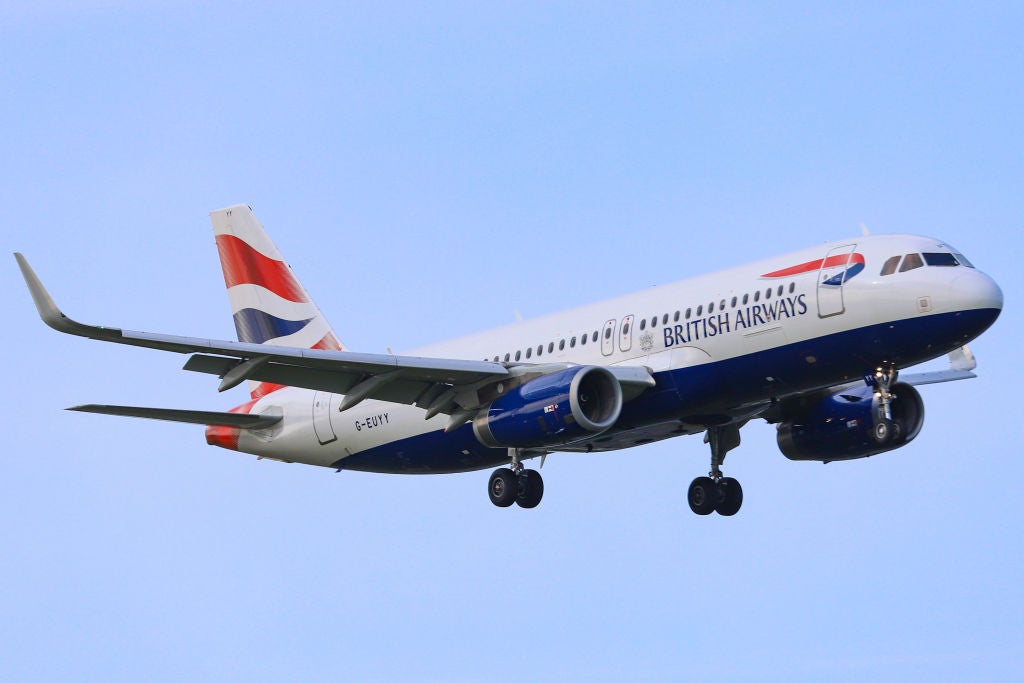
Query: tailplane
[(269, 304)]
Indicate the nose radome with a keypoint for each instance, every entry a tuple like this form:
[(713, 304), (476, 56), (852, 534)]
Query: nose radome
[(975, 290)]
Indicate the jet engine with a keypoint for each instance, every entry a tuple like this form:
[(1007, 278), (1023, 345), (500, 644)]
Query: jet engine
[(552, 410), (849, 424)]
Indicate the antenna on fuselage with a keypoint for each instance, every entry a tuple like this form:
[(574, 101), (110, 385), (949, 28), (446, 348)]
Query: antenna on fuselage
[(864, 229)]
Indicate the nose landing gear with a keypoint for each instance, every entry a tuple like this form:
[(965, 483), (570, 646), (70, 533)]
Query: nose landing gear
[(882, 380)]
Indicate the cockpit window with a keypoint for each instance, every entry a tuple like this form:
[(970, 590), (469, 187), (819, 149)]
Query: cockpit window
[(890, 265), (940, 258), (963, 260), (910, 262)]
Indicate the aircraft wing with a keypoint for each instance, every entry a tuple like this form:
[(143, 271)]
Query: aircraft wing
[(961, 363), (439, 385)]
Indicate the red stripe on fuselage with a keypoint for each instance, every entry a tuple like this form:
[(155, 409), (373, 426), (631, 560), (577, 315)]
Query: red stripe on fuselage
[(243, 265), (810, 266)]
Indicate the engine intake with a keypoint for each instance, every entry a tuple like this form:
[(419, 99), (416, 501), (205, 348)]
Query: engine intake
[(845, 425), (552, 410)]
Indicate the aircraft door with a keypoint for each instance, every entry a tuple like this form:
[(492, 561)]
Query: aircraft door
[(831, 277), (626, 334), (322, 417), (608, 338)]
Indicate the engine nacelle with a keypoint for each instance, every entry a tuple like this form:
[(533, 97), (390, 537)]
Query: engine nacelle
[(552, 410), (845, 425)]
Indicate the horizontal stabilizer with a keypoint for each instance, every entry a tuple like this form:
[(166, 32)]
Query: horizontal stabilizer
[(199, 417)]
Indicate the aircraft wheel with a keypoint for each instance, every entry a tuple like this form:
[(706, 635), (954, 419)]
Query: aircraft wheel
[(731, 497), (530, 489), (502, 487), (897, 431), (703, 495), (883, 431)]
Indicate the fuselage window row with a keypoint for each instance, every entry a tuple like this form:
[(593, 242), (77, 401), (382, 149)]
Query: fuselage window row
[(939, 259)]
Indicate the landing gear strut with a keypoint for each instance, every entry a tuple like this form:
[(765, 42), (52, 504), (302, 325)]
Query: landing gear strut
[(885, 428), (715, 493), (515, 484)]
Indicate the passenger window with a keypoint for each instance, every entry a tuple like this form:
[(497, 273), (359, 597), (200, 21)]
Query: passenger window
[(529, 352), (792, 287), (540, 350), (746, 298), (607, 333), (700, 309), (780, 290), (940, 259), (721, 305), (583, 339), (625, 329), (643, 324), (732, 304), (551, 346), (675, 318), (688, 311), (757, 296), (910, 262), (654, 321), (889, 267), (519, 355), (664, 319), (572, 343), (767, 294), (594, 337), (561, 345), (711, 308), (507, 357)]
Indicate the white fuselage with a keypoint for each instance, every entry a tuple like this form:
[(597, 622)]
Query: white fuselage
[(767, 335)]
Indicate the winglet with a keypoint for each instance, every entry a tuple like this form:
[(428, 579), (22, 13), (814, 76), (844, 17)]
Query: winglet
[(52, 315), (48, 310)]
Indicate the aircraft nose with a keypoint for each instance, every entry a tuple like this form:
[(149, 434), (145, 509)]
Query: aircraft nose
[(974, 290)]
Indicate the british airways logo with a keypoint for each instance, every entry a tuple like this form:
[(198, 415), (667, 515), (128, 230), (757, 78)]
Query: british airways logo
[(852, 264), (744, 318), (836, 270)]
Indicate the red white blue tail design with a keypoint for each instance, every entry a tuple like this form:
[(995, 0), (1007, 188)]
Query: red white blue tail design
[(268, 303)]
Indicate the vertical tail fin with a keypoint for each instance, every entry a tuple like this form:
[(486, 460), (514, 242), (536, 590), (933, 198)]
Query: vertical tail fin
[(268, 303)]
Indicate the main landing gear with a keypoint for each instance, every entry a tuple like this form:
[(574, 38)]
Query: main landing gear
[(515, 484), (715, 493)]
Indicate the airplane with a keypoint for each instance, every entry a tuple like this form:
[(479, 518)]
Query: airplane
[(812, 341)]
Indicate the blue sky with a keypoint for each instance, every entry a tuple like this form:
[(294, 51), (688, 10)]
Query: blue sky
[(428, 170)]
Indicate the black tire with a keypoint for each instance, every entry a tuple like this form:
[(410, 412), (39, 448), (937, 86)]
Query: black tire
[(702, 495), (731, 497), (530, 489), (502, 487)]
